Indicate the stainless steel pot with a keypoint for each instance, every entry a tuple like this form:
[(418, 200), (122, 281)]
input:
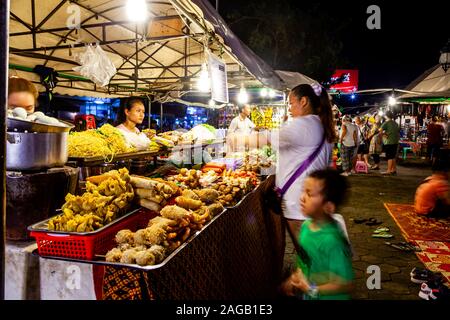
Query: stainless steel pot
[(34, 151), (18, 125)]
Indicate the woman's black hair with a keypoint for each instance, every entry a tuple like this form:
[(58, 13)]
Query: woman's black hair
[(127, 104), (321, 106)]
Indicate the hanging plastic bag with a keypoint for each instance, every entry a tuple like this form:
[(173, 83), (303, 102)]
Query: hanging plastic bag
[(96, 66)]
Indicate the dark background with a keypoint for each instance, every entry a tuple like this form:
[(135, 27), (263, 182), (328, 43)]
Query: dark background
[(409, 42)]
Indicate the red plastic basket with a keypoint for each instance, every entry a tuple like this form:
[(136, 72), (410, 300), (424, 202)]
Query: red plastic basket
[(85, 247)]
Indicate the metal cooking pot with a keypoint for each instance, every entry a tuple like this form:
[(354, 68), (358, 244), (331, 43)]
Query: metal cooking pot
[(35, 151), (18, 125)]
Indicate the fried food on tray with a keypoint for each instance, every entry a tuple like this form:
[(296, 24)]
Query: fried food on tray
[(144, 258), (208, 195), (188, 203), (175, 213), (150, 236), (114, 255), (149, 195), (162, 222), (125, 236), (150, 205), (215, 208), (190, 194), (129, 256), (158, 252)]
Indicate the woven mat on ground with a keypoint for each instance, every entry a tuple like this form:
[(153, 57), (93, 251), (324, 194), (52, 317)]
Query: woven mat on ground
[(125, 284), (417, 227), (435, 255)]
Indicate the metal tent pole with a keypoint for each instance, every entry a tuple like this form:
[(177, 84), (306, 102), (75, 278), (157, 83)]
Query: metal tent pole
[(4, 33)]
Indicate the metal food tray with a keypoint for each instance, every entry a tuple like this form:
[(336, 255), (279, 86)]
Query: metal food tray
[(42, 226), (90, 161), (135, 266)]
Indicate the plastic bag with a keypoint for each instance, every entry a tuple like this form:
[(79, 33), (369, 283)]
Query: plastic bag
[(96, 66)]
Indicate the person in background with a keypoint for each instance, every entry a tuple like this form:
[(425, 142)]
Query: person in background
[(22, 94), (435, 136), (432, 197), (391, 137), (242, 124), (376, 143), (364, 141), (348, 141), (131, 114), (324, 269)]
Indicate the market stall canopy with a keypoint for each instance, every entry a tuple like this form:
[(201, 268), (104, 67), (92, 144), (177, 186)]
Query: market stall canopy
[(293, 79), (433, 83), (163, 54)]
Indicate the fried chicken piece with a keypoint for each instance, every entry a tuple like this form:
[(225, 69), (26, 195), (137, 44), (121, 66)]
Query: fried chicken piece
[(149, 236), (145, 258), (190, 194), (175, 213), (163, 222), (188, 203), (215, 208), (114, 255), (125, 236), (208, 195), (158, 252), (129, 256)]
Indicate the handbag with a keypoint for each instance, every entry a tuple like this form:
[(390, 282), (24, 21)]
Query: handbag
[(273, 198)]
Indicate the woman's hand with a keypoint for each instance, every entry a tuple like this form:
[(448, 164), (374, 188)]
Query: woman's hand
[(299, 281)]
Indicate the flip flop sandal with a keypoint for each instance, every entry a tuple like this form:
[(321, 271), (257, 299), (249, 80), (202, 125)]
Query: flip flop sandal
[(398, 246), (382, 235), (411, 246), (359, 220), (373, 222), (381, 229)]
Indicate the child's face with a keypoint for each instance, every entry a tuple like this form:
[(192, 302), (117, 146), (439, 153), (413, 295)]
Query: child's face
[(312, 200)]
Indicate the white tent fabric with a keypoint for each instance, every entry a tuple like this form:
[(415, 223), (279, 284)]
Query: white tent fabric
[(168, 54), (293, 79), (432, 83)]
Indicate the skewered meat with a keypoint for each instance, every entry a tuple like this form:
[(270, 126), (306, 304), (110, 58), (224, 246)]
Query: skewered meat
[(125, 236), (114, 255)]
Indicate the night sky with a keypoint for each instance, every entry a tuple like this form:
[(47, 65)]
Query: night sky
[(408, 43)]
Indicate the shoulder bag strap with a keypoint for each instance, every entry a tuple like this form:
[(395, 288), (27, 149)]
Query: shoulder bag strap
[(305, 164)]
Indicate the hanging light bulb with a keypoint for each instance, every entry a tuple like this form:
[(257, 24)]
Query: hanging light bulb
[(380, 113), (242, 96), (136, 10), (392, 101), (448, 108), (271, 93), (263, 92), (203, 83)]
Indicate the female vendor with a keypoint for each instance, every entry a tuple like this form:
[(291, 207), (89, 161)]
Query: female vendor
[(131, 114), (22, 94)]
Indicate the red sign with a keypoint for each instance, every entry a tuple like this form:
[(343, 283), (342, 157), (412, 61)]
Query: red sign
[(348, 81)]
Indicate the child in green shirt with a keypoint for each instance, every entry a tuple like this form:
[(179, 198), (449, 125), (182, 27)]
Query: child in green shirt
[(325, 268)]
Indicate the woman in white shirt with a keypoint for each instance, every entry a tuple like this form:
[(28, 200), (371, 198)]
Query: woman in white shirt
[(312, 122), (131, 114)]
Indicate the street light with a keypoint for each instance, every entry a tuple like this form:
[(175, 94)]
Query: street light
[(444, 59), (392, 101)]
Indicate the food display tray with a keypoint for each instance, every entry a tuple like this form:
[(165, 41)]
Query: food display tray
[(92, 161), (86, 245), (99, 259)]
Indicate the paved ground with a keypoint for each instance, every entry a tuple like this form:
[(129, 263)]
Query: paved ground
[(368, 192)]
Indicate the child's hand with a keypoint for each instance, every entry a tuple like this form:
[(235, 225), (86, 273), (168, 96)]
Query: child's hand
[(299, 281)]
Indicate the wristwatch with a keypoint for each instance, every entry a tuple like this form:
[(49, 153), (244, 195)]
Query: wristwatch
[(313, 291)]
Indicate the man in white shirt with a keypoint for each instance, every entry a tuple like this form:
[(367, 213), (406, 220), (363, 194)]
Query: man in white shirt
[(242, 124)]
